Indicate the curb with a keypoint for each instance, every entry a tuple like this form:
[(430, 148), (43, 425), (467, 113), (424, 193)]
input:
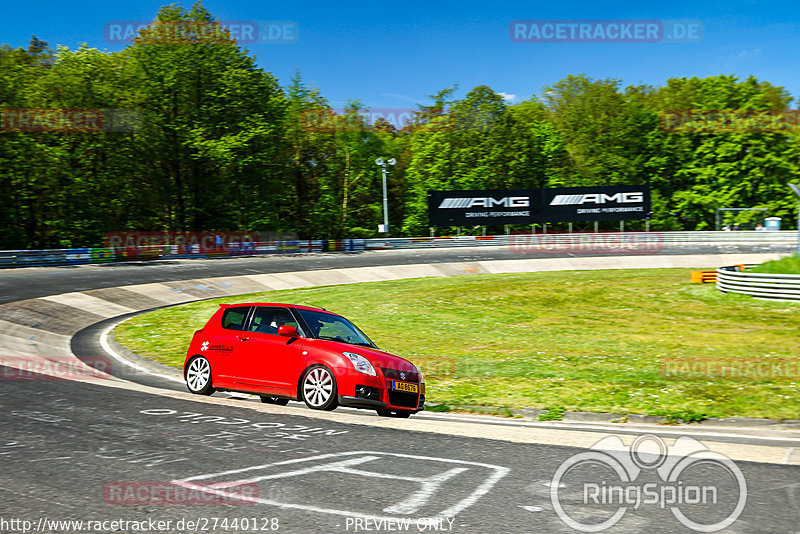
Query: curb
[(606, 417)]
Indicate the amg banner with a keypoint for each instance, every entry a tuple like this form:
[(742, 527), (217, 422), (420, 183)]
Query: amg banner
[(527, 206), (481, 207), (603, 203)]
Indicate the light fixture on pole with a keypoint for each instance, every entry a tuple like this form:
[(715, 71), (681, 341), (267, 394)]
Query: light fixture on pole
[(797, 192), (381, 163)]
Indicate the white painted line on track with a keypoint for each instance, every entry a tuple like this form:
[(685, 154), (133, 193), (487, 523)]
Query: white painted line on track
[(411, 505), (114, 354), (111, 352)]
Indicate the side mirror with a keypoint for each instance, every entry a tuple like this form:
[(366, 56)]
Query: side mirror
[(288, 331)]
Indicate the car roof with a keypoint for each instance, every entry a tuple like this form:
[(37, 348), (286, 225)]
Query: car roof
[(281, 304)]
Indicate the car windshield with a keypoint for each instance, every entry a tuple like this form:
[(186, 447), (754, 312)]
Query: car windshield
[(334, 328)]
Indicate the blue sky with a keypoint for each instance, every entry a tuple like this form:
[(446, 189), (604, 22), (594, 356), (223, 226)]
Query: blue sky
[(393, 54)]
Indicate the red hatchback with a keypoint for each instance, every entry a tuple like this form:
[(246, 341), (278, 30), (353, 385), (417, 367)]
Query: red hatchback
[(285, 352)]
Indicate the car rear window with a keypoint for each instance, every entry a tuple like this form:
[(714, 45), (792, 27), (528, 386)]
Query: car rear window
[(233, 318)]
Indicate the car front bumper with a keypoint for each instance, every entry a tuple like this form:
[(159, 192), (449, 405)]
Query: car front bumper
[(360, 402)]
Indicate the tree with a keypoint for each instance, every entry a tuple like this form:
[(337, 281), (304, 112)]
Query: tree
[(213, 127)]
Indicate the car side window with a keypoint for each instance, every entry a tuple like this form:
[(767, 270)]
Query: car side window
[(335, 329), (233, 318), (267, 320)]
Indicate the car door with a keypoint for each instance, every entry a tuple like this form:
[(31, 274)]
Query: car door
[(224, 342), (266, 361)]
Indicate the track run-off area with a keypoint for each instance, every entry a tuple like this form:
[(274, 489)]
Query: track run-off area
[(131, 446)]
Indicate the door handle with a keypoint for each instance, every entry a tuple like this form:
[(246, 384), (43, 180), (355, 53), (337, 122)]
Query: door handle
[(244, 338)]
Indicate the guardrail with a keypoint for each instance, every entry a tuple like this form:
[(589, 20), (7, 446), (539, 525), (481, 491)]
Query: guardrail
[(637, 239), (760, 285), (603, 243)]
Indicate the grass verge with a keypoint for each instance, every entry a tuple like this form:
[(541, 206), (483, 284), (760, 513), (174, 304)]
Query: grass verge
[(788, 265), (605, 341)]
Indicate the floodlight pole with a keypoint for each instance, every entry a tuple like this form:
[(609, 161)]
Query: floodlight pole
[(382, 164), (797, 192)]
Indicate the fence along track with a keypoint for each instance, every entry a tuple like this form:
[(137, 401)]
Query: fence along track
[(611, 242)]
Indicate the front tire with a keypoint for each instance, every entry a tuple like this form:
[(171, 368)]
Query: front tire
[(198, 376), (318, 388)]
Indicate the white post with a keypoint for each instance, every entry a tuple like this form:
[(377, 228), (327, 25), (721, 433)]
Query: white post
[(382, 164), (797, 192), (385, 204)]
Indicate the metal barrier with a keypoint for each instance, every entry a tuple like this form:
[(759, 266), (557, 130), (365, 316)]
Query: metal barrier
[(760, 285), (594, 243), (64, 256), (633, 239)]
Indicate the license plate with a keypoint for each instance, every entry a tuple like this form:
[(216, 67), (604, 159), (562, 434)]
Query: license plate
[(404, 386)]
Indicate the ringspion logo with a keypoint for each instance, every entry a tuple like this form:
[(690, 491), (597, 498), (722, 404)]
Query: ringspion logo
[(593, 490)]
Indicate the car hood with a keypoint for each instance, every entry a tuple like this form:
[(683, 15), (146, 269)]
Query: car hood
[(377, 357)]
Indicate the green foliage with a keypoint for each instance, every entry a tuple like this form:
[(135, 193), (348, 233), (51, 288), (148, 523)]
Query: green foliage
[(673, 417), (553, 413), (224, 147), (788, 265)]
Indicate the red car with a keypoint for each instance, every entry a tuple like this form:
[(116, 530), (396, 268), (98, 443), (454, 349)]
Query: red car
[(285, 352)]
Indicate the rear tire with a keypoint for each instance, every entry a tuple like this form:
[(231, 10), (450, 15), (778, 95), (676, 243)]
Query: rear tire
[(198, 376), (318, 388)]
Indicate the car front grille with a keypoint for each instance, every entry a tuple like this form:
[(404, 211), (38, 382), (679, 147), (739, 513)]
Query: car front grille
[(401, 398), (394, 374)]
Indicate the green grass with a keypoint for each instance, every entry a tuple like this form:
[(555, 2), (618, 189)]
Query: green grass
[(581, 340), (788, 265)]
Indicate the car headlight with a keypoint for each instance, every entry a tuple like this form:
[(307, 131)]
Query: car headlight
[(361, 364)]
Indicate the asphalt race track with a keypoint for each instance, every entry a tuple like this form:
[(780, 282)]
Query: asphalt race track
[(69, 445), (18, 284), (148, 457)]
